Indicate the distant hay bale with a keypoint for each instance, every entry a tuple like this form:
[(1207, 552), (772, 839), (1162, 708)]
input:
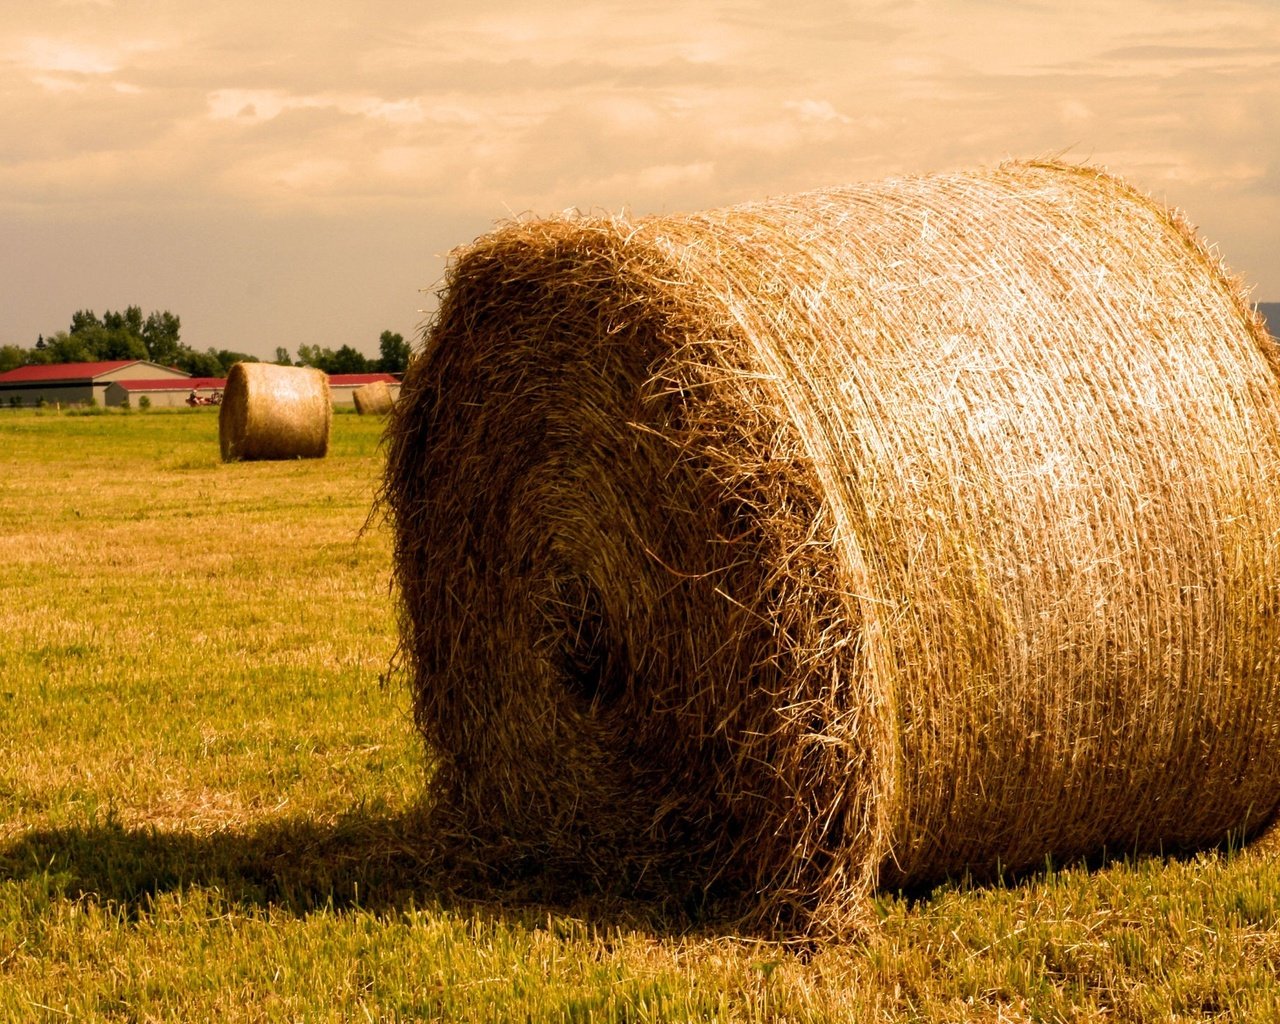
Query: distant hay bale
[(274, 412), (373, 399), (855, 538)]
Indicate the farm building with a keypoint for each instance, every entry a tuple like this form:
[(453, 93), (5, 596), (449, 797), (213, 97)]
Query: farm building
[(78, 383), (162, 392), (112, 383)]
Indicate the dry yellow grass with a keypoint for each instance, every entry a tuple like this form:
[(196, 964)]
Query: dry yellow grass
[(274, 412), (860, 537), (208, 802)]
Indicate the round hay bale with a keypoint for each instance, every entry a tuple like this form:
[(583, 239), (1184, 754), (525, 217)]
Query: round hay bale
[(373, 399), (861, 537), (274, 412)]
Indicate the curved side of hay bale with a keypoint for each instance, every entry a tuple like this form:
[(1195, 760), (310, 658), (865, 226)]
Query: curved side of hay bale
[(274, 412), (373, 399), (858, 537)]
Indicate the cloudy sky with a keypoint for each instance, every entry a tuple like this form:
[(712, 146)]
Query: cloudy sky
[(281, 173)]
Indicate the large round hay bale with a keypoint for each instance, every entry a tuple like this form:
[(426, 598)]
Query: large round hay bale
[(372, 399), (860, 537), (274, 412)]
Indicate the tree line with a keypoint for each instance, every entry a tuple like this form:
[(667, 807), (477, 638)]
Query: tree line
[(157, 337)]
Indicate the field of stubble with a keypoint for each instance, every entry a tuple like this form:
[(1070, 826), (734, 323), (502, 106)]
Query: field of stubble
[(208, 782)]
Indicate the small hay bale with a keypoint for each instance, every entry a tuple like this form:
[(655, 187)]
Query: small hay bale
[(274, 412), (373, 399), (856, 538)]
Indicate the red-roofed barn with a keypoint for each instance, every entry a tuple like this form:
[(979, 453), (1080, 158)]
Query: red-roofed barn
[(128, 381), (162, 392), (76, 383)]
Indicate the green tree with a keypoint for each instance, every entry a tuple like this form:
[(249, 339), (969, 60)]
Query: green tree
[(160, 333), (70, 347), (116, 336), (130, 320), (115, 343), (125, 345), (82, 319), (229, 358), (200, 364), (345, 360), (11, 357), (314, 355), (282, 357), (395, 353), (348, 360)]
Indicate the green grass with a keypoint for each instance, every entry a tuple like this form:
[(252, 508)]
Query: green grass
[(208, 791)]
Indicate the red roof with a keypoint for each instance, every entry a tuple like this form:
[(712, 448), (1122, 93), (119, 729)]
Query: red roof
[(343, 380), (45, 372), (172, 383)]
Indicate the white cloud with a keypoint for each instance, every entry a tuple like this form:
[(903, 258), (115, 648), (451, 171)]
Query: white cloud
[(621, 35), (817, 111), (452, 113), (1074, 113), (59, 83), (322, 174), (249, 104), (64, 55), (258, 105)]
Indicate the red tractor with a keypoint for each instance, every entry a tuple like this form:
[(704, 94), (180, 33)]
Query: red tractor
[(213, 398)]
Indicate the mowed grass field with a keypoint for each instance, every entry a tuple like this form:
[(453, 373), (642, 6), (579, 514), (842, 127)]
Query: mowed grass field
[(209, 783)]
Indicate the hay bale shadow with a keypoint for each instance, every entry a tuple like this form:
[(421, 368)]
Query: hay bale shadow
[(360, 861), (401, 863)]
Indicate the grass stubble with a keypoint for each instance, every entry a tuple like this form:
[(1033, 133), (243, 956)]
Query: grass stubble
[(209, 786)]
